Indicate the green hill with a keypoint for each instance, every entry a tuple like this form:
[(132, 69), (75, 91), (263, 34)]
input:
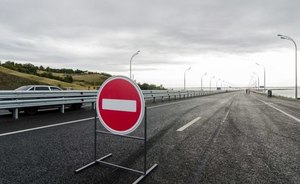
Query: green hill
[(10, 82), (91, 80), (10, 79)]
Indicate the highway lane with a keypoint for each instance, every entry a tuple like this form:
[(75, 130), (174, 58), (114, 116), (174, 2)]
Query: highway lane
[(236, 139), (257, 144)]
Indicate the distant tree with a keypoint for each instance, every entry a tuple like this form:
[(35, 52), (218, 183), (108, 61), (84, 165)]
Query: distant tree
[(9, 65), (78, 71), (28, 68), (146, 86), (106, 74), (25, 68), (48, 69), (68, 78)]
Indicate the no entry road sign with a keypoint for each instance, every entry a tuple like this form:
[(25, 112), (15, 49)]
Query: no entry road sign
[(120, 105)]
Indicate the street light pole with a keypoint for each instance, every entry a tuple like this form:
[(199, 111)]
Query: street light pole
[(210, 83), (296, 84), (185, 76), (222, 84), (264, 75), (202, 80), (257, 80), (131, 61), (254, 82)]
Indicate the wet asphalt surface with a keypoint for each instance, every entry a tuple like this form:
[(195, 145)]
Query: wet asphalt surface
[(238, 139)]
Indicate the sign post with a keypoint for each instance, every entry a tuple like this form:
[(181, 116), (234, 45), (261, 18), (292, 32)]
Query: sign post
[(120, 109)]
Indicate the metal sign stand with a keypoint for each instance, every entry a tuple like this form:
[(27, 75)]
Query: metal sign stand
[(143, 173)]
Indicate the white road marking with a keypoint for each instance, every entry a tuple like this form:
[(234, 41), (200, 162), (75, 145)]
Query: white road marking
[(70, 122), (119, 105), (162, 105), (285, 113), (43, 127), (188, 124)]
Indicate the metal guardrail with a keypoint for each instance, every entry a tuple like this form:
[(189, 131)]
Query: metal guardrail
[(19, 100), (155, 95)]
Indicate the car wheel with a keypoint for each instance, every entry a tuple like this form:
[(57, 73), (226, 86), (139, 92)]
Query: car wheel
[(76, 106)]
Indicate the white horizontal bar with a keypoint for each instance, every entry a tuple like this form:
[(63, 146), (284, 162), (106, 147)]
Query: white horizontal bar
[(283, 112), (47, 126), (119, 105), (188, 124)]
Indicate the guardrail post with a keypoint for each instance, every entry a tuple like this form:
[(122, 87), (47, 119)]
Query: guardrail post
[(16, 113), (154, 99), (93, 105), (62, 108)]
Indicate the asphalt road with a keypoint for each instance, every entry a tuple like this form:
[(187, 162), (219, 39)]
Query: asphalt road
[(234, 138)]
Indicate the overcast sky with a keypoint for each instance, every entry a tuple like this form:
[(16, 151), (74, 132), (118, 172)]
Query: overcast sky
[(221, 37)]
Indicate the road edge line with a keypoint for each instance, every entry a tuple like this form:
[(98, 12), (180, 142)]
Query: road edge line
[(285, 113), (44, 127)]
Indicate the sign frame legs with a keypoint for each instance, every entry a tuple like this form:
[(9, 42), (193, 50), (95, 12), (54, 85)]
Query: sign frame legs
[(143, 173)]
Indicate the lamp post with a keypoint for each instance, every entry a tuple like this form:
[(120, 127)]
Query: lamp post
[(210, 83), (223, 84), (202, 80), (264, 75), (185, 76), (289, 38), (255, 74), (255, 82), (131, 60)]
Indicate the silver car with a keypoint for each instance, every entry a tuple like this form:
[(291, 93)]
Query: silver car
[(38, 88)]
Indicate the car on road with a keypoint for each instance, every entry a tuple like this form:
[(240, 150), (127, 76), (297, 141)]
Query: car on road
[(39, 88)]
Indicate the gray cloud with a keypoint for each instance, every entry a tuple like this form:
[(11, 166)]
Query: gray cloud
[(104, 34)]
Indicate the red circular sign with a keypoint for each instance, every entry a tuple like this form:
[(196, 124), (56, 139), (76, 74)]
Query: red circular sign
[(120, 105)]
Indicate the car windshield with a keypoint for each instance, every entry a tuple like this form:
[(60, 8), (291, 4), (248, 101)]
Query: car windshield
[(23, 88)]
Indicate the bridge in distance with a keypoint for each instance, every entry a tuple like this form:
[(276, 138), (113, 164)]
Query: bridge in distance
[(223, 138)]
